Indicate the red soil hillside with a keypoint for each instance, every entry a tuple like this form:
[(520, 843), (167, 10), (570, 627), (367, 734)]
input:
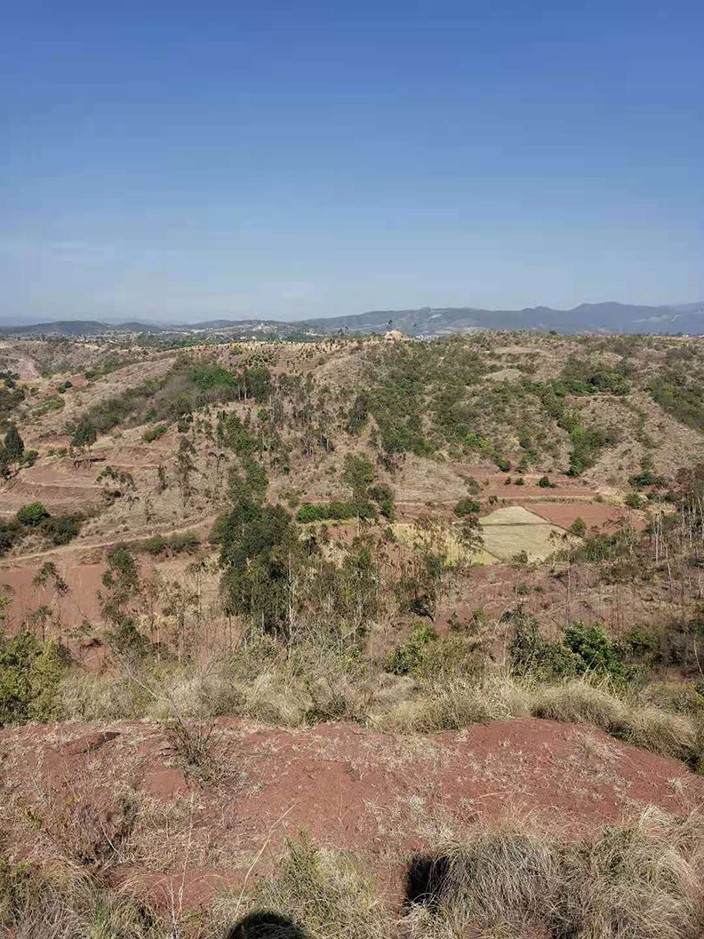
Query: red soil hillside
[(378, 796)]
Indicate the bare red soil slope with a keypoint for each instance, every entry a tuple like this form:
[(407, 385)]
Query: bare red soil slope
[(378, 796)]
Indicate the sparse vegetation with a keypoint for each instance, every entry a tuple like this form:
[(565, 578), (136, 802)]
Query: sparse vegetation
[(337, 511), (284, 617), (154, 433)]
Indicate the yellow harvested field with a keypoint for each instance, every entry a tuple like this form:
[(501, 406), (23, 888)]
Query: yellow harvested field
[(507, 532), (512, 529), (445, 541)]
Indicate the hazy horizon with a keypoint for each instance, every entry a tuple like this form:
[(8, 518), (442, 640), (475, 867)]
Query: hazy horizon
[(165, 321), (290, 162)]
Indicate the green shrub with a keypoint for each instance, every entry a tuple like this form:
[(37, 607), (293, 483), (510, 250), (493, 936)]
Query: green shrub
[(154, 545), (584, 377), (32, 514), (154, 433), (30, 676), (383, 495), (466, 506), (183, 541), (578, 527), (409, 655), (14, 445), (358, 473), (530, 654), (178, 543), (335, 511), (583, 650), (60, 529), (595, 651), (84, 433), (647, 479), (258, 546)]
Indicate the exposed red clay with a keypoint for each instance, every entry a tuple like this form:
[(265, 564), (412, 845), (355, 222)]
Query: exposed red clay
[(380, 797)]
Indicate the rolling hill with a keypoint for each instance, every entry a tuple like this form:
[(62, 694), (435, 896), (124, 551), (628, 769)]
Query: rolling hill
[(607, 318)]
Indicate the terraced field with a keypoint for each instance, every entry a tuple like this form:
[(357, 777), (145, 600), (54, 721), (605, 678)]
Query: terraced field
[(514, 530)]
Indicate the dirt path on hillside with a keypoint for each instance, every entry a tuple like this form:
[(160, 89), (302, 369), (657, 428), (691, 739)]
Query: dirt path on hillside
[(195, 524)]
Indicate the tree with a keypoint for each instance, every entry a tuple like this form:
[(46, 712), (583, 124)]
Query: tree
[(14, 445), (84, 435), (120, 602), (358, 474), (260, 552), (466, 506), (46, 575), (470, 534), (184, 468)]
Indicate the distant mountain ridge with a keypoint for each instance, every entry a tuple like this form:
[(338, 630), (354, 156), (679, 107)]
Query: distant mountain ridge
[(426, 322), (587, 317), (69, 328)]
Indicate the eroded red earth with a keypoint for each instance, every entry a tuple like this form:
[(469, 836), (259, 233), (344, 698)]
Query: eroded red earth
[(380, 797)]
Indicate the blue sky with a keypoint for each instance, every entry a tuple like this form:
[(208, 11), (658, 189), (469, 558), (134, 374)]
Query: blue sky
[(181, 161)]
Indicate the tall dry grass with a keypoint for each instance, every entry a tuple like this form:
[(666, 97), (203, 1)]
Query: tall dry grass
[(309, 686), (66, 903), (641, 882), (514, 881), (325, 893)]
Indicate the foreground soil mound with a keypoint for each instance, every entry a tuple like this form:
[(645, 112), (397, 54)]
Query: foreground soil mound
[(158, 810)]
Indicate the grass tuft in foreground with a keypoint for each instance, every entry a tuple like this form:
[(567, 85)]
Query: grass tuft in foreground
[(642, 881)]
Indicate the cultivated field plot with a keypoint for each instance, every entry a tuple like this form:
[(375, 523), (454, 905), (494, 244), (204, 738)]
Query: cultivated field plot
[(508, 531), (513, 529), (61, 486), (444, 542), (594, 515)]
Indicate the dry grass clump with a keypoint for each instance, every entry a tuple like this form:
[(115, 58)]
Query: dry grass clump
[(220, 687), (109, 696), (579, 702), (458, 703), (644, 882), (87, 834), (628, 718), (313, 685), (674, 735), (641, 882), (64, 904), (503, 880), (324, 893)]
